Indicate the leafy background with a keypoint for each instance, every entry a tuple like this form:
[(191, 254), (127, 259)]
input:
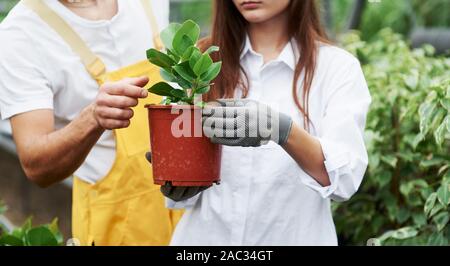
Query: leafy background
[(407, 186), (404, 199), (27, 235)]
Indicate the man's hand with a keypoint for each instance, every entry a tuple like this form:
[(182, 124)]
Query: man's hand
[(177, 194), (112, 107)]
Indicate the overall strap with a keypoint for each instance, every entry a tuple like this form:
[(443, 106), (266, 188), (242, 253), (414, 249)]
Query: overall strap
[(93, 64), (153, 23)]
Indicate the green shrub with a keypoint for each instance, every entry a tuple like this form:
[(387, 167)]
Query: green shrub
[(27, 235), (401, 16), (2, 211), (406, 187)]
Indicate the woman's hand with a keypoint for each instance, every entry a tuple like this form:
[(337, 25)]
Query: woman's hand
[(245, 123), (248, 123), (112, 107), (177, 194)]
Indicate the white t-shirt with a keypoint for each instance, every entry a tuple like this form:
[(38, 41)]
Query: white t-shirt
[(265, 198), (38, 70)]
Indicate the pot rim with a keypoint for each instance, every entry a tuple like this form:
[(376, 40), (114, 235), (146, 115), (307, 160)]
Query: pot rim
[(164, 107)]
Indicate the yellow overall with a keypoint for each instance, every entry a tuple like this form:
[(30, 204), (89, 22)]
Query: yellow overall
[(125, 207)]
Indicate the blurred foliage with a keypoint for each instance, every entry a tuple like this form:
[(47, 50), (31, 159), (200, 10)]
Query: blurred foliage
[(27, 235), (5, 6), (400, 16), (197, 10), (405, 196), (2, 211), (435, 13)]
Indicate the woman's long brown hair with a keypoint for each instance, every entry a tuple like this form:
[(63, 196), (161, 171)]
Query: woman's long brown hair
[(229, 33)]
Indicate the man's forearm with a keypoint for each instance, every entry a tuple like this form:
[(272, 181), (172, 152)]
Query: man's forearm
[(48, 156), (55, 156)]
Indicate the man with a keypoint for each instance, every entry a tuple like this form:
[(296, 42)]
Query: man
[(72, 82)]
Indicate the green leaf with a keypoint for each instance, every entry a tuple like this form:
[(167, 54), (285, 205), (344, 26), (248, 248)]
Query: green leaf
[(386, 236), (189, 29), (441, 220), (419, 219), (429, 163), (188, 53), (195, 56), (3, 208), (159, 59), (437, 208), (408, 187), (166, 101), (412, 80), (162, 89), (168, 34), (212, 49), (404, 233), (446, 104), (443, 194), (437, 239), (403, 215), (438, 118), (41, 236), (439, 134), (363, 58), (167, 76), (185, 72), (212, 72), (426, 192), (27, 225), (203, 90), (429, 49), (391, 160), (178, 93), (448, 123), (173, 55), (429, 204), (417, 140), (201, 104), (203, 65), (10, 240), (384, 178), (183, 45), (427, 112), (414, 200), (54, 228), (19, 233), (183, 83)]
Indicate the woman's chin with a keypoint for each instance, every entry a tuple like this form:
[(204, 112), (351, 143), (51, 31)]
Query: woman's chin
[(255, 20), (255, 17)]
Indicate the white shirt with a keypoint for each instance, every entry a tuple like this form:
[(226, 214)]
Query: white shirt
[(38, 70), (265, 198)]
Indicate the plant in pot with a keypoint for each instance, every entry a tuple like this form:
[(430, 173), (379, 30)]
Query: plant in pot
[(181, 154)]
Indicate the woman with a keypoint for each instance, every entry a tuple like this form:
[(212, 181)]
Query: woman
[(278, 176), (72, 73)]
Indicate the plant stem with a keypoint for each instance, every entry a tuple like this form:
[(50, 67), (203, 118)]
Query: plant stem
[(395, 185)]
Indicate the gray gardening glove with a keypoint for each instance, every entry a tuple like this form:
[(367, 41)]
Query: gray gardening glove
[(245, 123), (177, 194)]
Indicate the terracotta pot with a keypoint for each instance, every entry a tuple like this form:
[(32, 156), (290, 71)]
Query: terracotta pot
[(181, 154)]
